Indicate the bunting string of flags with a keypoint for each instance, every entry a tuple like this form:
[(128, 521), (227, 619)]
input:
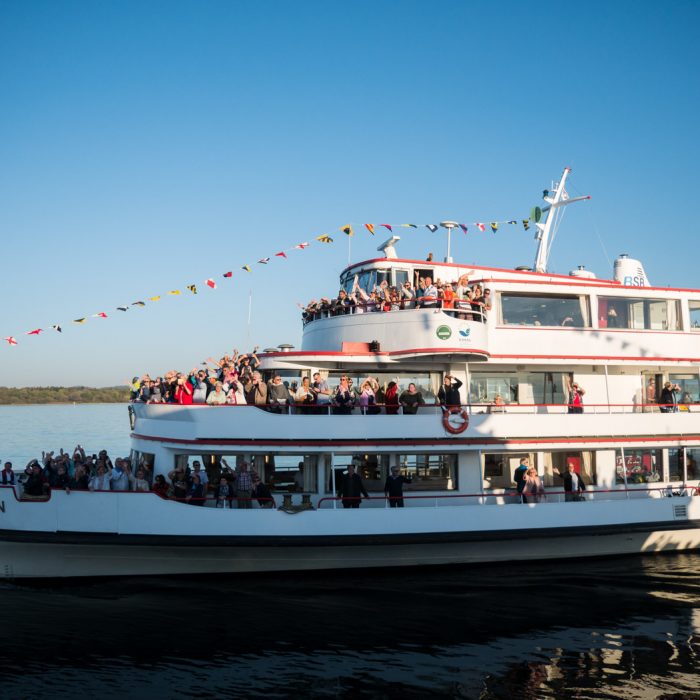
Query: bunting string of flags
[(324, 238)]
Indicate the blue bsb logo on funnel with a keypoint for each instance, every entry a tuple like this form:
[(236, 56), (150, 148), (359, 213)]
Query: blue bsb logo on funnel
[(464, 331)]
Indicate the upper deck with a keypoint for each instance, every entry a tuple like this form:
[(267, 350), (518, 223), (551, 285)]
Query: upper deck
[(533, 317)]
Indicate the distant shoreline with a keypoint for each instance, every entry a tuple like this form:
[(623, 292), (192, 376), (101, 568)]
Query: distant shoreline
[(44, 395)]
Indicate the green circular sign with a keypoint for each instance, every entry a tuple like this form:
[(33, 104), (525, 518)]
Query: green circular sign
[(443, 332)]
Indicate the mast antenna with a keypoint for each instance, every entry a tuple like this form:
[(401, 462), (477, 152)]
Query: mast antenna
[(547, 229)]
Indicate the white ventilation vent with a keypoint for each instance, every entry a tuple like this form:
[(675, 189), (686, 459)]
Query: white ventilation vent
[(680, 512)]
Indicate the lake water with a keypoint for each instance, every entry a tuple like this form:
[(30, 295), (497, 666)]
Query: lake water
[(612, 628)]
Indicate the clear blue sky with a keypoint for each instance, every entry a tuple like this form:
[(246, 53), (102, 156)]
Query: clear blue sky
[(146, 146)]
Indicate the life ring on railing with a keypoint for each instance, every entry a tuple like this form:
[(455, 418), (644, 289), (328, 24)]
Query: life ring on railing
[(455, 420)]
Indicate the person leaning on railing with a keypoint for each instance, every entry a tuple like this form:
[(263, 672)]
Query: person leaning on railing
[(411, 399)]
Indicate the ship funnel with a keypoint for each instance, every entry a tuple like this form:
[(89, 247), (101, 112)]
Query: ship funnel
[(581, 271), (630, 272)]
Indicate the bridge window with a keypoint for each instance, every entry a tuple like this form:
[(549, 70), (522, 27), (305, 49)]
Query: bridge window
[(694, 307), (639, 314), (544, 310)]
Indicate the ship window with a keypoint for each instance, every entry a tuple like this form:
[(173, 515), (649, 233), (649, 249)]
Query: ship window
[(694, 307), (288, 473), (639, 314), (429, 472), (690, 388), (541, 310), (556, 464), (675, 465), (400, 278), (427, 383), (499, 467), (640, 466), (518, 387)]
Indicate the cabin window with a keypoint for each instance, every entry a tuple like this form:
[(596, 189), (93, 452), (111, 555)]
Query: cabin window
[(288, 473), (639, 466), (639, 314), (427, 383), (401, 277), (499, 468), (429, 472), (690, 388), (518, 387), (540, 310), (556, 464), (694, 308), (675, 464)]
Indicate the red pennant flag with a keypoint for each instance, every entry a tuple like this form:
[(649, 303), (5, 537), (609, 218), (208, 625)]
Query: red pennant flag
[(228, 274), (301, 246), (387, 226), (481, 227), (36, 331), (11, 340), (281, 254), (370, 228), (210, 283), (102, 314)]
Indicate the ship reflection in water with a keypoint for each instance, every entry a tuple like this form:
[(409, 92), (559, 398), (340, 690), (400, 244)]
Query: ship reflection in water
[(603, 629)]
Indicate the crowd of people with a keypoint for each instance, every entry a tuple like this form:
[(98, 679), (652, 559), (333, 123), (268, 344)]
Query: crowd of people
[(236, 380), (97, 472), (468, 301)]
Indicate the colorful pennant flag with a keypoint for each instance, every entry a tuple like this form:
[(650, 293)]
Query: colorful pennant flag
[(246, 268), (192, 288), (463, 227), (210, 283), (513, 221), (102, 314), (139, 303), (79, 320), (369, 227), (11, 340), (57, 328), (494, 226), (325, 238), (36, 331), (228, 274), (387, 226), (281, 254), (409, 225), (431, 227), (157, 298), (264, 261), (526, 224), (480, 226), (348, 231)]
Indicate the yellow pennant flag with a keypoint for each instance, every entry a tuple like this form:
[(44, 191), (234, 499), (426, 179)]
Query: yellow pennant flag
[(246, 268), (192, 288), (79, 320), (325, 238), (347, 230), (154, 298), (175, 292)]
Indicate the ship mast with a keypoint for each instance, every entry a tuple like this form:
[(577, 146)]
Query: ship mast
[(547, 230)]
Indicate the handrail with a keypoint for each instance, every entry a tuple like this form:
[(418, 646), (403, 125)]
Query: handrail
[(426, 303), (396, 409)]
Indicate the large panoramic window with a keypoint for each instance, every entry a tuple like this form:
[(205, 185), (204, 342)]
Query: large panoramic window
[(639, 314), (518, 387), (544, 310), (638, 467), (675, 464), (499, 467), (694, 308), (690, 387)]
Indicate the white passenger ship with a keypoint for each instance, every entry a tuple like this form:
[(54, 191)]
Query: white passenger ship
[(543, 333)]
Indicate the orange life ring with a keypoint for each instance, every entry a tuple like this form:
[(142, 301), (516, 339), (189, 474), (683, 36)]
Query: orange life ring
[(463, 423)]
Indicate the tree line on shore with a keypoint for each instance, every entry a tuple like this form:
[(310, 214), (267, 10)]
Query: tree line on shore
[(63, 394)]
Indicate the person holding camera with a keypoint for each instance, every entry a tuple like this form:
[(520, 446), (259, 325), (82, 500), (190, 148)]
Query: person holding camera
[(669, 398)]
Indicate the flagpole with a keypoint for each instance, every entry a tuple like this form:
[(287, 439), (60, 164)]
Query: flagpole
[(250, 310)]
